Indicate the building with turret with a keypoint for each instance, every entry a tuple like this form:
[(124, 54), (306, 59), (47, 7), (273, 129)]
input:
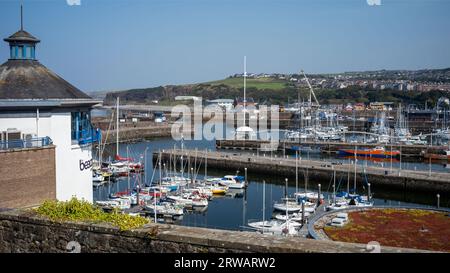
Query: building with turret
[(46, 135)]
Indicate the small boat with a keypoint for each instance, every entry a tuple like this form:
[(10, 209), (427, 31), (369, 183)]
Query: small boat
[(294, 216), (375, 152), (118, 203), (203, 192), (188, 200), (308, 196), (175, 180), (165, 209), (288, 204), (275, 227), (97, 179), (219, 190), (119, 169), (153, 191), (232, 181), (349, 203), (438, 155)]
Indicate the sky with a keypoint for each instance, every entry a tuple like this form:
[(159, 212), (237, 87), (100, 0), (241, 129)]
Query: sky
[(120, 44)]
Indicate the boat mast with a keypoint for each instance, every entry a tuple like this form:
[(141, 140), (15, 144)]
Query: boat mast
[(128, 169), (348, 178), (159, 165), (154, 190), (334, 187), (354, 177), (296, 171), (306, 182), (245, 82), (100, 152), (117, 126), (287, 204), (145, 166), (206, 165), (264, 203)]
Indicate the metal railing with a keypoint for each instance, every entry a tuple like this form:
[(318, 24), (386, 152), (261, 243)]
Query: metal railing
[(89, 135), (25, 143)]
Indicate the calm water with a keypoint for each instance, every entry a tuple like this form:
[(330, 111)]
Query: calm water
[(234, 212)]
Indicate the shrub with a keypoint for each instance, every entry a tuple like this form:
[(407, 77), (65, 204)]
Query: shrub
[(83, 211)]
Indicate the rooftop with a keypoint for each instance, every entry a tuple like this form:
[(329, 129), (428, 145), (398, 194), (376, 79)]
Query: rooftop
[(29, 79), (22, 36)]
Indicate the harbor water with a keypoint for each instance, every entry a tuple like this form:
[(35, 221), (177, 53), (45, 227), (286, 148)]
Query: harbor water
[(234, 210)]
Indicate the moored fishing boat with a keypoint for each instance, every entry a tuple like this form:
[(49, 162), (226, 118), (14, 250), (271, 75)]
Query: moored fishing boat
[(375, 152), (437, 155)]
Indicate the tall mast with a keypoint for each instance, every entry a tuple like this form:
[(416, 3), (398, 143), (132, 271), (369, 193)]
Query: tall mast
[(206, 164), (117, 126), (354, 177), (298, 95), (264, 202), (245, 83)]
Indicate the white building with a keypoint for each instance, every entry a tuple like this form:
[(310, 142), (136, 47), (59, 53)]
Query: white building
[(226, 104), (39, 108)]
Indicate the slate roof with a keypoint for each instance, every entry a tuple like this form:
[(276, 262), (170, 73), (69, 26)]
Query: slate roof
[(22, 36), (29, 79)]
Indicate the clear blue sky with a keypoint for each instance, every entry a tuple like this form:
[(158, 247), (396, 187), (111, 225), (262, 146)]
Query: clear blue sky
[(119, 44)]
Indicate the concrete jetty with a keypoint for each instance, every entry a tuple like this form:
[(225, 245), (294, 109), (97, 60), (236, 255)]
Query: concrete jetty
[(410, 151), (318, 171)]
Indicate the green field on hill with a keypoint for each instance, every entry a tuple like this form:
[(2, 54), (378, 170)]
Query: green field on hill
[(261, 83)]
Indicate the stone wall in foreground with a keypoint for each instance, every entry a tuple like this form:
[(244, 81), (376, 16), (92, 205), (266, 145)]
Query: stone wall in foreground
[(20, 231)]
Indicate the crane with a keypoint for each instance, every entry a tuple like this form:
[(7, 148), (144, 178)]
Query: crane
[(311, 91)]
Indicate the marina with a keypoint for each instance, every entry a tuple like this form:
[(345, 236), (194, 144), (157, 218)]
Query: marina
[(238, 207), (180, 147)]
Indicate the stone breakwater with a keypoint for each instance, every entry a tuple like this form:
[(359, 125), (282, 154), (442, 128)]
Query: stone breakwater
[(318, 171), (21, 231)]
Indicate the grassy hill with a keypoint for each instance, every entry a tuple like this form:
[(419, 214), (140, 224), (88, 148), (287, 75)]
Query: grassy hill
[(261, 83), (268, 91)]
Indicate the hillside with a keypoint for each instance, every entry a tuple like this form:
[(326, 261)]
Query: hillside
[(281, 89)]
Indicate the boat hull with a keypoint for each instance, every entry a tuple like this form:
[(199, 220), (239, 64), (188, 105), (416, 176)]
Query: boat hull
[(368, 153)]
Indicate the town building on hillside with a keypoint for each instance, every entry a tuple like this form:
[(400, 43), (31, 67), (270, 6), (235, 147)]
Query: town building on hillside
[(225, 104), (248, 103), (359, 106), (381, 106)]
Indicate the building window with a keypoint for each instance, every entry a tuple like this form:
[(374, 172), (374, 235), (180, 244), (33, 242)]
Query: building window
[(20, 53), (28, 52), (82, 130)]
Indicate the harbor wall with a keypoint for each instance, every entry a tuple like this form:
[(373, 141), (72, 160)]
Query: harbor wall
[(409, 151), (27, 176), (21, 232), (318, 173)]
